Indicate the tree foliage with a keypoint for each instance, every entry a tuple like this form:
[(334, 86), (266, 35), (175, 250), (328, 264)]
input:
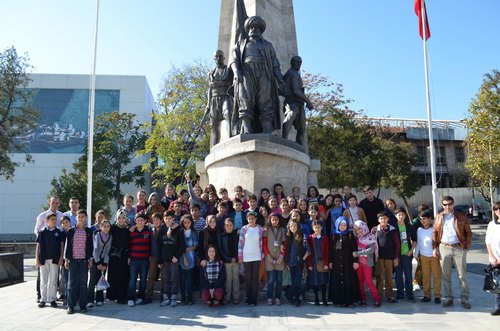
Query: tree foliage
[(483, 159), (17, 112), (177, 139)]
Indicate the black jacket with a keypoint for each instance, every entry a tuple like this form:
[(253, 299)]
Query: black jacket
[(170, 247), (89, 244), (228, 246)]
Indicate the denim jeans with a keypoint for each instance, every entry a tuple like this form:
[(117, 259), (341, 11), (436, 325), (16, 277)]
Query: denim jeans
[(186, 283), (274, 276), (138, 267), (404, 269), (77, 285), (293, 291), (95, 276)]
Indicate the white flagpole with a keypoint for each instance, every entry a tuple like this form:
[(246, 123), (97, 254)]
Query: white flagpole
[(90, 151), (429, 119)]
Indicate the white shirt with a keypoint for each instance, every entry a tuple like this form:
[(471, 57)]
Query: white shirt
[(424, 242), (449, 233), (40, 223), (493, 238), (251, 249)]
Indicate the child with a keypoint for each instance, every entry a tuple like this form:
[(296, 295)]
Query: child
[(252, 206), (153, 261), (408, 237), (63, 272), (199, 222), (335, 212), (354, 213), (188, 259), (224, 197), (119, 270), (428, 258), (171, 246), (388, 255), (324, 207), (228, 248), (318, 262), (49, 256), (250, 254), (272, 244), (212, 278), (366, 254), (295, 256), (273, 205), (285, 212), (278, 192), (177, 208), (239, 216), (221, 215), (303, 207), (238, 194), (313, 197), (209, 236), (102, 245), (313, 213), (264, 197), (343, 283), (139, 254), (78, 259), (100, 216)]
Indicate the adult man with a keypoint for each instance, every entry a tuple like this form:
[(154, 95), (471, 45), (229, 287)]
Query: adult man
[(40, 223), (294, 102), (74, 206), (346, 191), (371, 205), (256, 69), (220, 80), (452, 238)]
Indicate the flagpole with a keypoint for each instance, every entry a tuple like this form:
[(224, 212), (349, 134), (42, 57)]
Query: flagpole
[(90, 149), (429, 118)]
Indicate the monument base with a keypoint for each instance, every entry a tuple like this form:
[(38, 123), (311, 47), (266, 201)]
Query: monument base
[(257, 161)]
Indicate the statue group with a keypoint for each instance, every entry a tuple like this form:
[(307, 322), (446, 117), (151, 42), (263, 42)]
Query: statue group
[(245, 92)]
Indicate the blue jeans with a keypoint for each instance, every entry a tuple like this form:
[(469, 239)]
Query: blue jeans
[(404, 267), (77, 284), (138, 267), (293, 291), (274, 276), (186, 283)]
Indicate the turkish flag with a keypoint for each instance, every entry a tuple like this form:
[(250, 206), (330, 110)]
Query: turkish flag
[(419, 13)]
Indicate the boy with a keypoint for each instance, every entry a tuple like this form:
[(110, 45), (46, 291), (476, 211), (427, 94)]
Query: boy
[(408, 237), (388, 255), (199, 222), (78, 259), (171, 246), (224, 197), (238, 194), (238, 215), (221, 215), (428, 258), (49, 256), (153, 261), (63, 273), (177, 207), (139, 253)]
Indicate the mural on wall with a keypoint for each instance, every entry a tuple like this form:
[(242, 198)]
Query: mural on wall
[(63, 125)]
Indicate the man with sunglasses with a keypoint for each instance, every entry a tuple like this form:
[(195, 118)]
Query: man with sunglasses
[(451, 239)]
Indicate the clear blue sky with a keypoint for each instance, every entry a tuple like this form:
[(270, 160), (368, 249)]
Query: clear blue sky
[(371, 47)]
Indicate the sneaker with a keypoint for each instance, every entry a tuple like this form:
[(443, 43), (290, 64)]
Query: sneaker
[(53, 304), (41, 304), (277, 302), (269, 302), (131, 303), (466, 304), (495, 312), (416, 287), (138, 301), (70, 311), (90, 305), (173, 302), (427, 299), (165, 302), (437, 301), (98, 303), (448, 303)]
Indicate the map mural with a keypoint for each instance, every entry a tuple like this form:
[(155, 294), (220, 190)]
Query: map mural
[(63, 125)]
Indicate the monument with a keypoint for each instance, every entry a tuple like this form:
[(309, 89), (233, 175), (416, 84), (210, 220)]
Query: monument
[(260, 37)]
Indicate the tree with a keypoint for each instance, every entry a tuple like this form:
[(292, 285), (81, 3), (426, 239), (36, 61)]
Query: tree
[(177, 139), (483, 159), (17, 112)]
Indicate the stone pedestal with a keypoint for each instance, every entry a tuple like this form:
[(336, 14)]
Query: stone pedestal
[(255, 161)]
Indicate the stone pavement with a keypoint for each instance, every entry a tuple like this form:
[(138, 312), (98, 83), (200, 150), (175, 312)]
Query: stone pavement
[(18, 311)]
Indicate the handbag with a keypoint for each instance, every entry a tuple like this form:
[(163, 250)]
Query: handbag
[(287, 278), (492, 279), (102, 284)]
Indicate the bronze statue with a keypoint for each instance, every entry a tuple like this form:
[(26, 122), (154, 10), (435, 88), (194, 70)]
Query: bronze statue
[(219, 101), (257, 77)]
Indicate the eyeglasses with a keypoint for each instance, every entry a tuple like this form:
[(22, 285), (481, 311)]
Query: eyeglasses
[(447, 204)]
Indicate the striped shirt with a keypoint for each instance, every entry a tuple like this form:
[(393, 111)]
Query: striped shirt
[(79, 242), (140, 244)]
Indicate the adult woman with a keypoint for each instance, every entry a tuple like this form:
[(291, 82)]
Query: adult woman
[(118, 272), (493, 245)]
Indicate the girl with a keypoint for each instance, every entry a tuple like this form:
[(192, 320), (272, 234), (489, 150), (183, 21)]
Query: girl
[(272, 244), (313, 195), (278, 192), (343, 283), (228, 248), (264, 197), (285, 212), (250, 254), (325, 206), (273, 205), (119, 270), (263, 217), (318, 262), (212, 278), (292, 202), (102, 245), (154, 207), (169, 196), (313, 216), (188, 259), (367, 254), (209, 236), (354, 213), (100, 216), (295, 256), (303, 207), (335, 212), (129, 209), (141, 204), (492, 240)]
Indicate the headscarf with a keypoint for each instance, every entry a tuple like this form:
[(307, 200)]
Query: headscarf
[(367, 238), (337, 225)]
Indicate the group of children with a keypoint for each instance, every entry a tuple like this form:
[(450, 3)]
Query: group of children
[(298, 245)]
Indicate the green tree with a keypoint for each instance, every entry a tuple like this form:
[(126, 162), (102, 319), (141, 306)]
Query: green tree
[(177, 139), (17, 112), (483, 159)]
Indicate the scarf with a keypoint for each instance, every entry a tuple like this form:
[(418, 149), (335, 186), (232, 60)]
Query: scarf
[(212, 269), (339, 221), (367, 238)]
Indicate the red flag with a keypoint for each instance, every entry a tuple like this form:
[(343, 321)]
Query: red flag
[(418, 12)]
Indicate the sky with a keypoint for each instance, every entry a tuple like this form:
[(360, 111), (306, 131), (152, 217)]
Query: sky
[(371, 47)]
